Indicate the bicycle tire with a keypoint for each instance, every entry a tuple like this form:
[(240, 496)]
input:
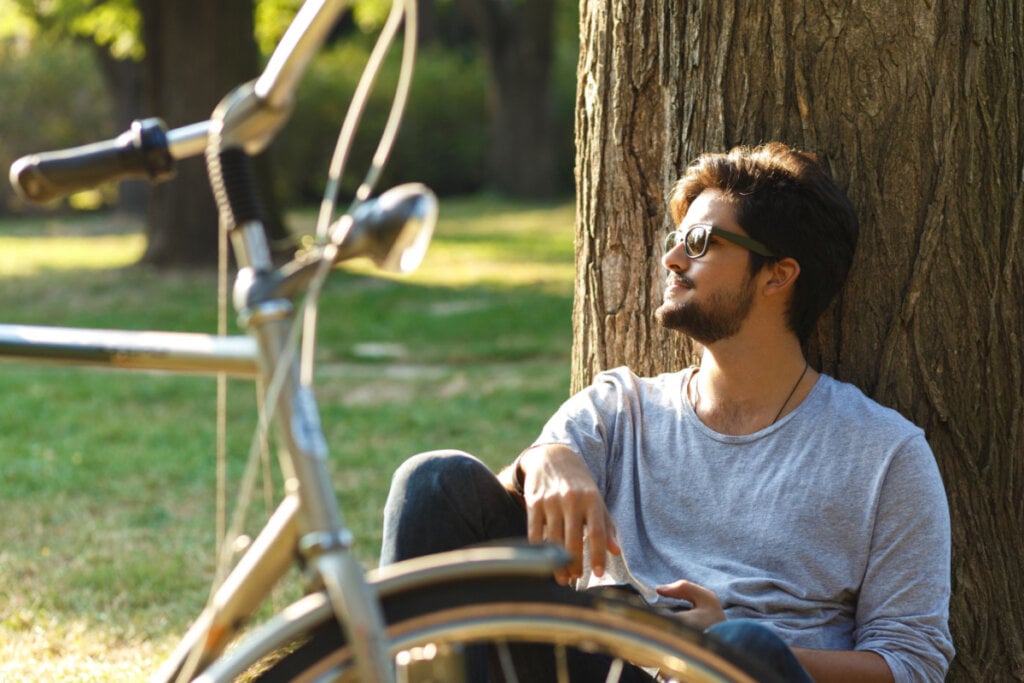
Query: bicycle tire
[(428, 624)]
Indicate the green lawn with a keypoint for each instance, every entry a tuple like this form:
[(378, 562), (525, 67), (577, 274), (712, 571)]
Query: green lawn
[(108, 478)]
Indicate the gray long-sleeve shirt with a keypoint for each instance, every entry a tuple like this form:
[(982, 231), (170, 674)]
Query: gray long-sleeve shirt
[(831, 525)]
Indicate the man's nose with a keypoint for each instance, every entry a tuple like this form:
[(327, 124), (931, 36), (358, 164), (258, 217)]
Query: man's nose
[(675, 259)]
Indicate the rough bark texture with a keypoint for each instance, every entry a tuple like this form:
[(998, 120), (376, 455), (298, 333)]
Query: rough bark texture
[(918, 109)]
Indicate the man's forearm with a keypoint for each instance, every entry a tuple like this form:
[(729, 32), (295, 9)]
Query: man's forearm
[(513, 476), (838, 666)]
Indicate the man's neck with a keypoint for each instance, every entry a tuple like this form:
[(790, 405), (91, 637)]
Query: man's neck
[(741, 388)]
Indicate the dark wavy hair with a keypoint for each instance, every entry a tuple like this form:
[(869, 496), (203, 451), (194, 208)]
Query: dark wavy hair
[(787, 200)]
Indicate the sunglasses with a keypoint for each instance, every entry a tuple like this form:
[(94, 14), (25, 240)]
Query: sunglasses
[(697, 238)]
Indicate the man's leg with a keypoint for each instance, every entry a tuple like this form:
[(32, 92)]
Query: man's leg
[(446, 500), (762, 645)]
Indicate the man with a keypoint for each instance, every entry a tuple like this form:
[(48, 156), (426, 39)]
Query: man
[(774, 503)]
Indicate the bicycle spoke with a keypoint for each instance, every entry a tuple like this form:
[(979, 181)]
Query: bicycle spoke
[(508, 667), (615, 671), (562, 664)]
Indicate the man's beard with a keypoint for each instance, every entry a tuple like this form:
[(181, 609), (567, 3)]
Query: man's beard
[(717, 318)]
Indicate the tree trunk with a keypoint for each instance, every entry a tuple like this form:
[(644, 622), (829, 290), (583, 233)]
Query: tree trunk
[(517, 39), (196, 52), (918, 110)]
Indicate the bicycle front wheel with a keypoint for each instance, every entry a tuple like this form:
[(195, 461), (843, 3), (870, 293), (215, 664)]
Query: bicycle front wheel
[(519, 629)]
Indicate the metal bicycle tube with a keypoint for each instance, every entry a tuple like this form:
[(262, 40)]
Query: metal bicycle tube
[(174, 352), (303, 456), (243, 591), (246, 120)]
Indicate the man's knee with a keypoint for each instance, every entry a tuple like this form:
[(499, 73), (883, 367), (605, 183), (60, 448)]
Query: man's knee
[(443, 500), (436, 481), (761, 644), (434, 468), (739, 631)]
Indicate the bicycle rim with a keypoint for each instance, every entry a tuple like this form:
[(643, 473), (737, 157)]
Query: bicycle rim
[(515, 629)]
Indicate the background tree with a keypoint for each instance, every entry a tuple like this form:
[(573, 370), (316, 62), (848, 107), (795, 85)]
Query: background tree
[(917, 109), (196, 52), (529, 145), (174, 60), (517, 38), (111, 30)]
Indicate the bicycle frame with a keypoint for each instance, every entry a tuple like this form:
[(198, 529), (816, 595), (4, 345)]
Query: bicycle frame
[(273, 551), (307, 522), (178, 352), (308, 519)]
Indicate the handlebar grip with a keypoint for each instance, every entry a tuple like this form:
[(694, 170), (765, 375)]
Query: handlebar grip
[(140, 152)]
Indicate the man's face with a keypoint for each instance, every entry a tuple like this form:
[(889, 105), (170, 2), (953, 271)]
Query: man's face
[(708, 298)]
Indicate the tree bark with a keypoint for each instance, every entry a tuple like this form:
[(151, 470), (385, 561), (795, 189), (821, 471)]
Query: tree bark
[(918, 110), (196, 52), (517, 39)]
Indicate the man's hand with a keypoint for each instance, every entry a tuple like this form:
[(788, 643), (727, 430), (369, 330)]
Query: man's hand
[(825, 666), (707, 609), (563, 504)]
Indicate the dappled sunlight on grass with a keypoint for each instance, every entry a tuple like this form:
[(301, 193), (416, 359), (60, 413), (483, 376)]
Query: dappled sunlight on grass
[(35, 255), (91, 242), (41, 647), (489, 240), (457, 264)]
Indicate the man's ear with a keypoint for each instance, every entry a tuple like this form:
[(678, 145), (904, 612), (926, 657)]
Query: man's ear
[(781, 276)]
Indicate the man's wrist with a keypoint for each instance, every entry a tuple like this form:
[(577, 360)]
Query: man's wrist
[(518, 473)]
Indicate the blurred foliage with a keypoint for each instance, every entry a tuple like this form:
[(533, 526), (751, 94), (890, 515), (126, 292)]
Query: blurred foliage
[(54, 98), (370, 15), (57, 86), (13, 22), (113, 24), (442, 140)]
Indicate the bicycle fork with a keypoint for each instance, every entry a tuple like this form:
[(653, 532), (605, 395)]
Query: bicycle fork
[(322, 538), (324, 542)]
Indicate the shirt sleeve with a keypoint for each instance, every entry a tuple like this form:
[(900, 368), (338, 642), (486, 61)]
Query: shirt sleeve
[(587, 422), (903, 606)]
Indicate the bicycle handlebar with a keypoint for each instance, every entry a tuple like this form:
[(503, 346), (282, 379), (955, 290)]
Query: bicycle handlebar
[(140, 152), (148, 150)]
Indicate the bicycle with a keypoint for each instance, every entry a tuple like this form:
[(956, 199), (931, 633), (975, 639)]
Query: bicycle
[(416, 620)]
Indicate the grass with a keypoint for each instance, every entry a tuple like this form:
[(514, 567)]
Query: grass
[(108, 478)]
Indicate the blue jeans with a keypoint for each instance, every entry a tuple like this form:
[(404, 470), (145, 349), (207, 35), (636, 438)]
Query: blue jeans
[(760, 644), (446, 500)]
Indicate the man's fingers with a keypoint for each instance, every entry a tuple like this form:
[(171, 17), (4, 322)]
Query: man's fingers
[(554, 524), (534, 523), (707, 610), (599, 537), (574, 545), (562, 577), (537, 522), (612, 533), (564, 508), (688, 590)]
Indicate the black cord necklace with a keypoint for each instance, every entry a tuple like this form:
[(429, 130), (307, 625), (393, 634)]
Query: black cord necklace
[(696, 393), (791, 392)]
